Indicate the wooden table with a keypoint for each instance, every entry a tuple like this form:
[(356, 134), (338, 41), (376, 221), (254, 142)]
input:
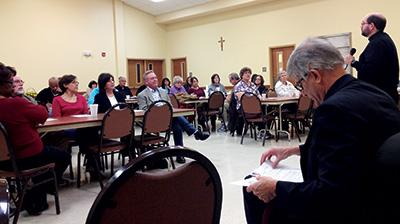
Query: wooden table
[(83, 121), (279, 101)]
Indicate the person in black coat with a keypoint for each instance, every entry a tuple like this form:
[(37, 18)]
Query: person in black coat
[(378, 64), (122, 88), (336, 160), (107, 96)]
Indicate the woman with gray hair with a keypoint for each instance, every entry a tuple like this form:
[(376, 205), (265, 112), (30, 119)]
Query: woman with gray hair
[(177, 86), (284, 88)]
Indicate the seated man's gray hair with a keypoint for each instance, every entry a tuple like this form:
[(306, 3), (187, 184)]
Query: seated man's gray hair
[(313, 53)]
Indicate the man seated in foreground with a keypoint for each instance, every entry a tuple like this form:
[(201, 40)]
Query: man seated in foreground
[(336, 158), (151, 94)]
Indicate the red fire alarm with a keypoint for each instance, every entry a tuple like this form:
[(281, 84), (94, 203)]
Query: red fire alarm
[(103, 54)]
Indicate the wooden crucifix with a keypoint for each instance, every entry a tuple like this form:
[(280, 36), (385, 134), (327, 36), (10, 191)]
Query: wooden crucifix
[(221, 41)]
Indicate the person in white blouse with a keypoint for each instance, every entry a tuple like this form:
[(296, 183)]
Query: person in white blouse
[(283, 88)]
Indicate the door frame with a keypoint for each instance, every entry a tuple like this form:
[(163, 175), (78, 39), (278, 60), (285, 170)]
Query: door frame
[(271, 64), (185, 75)]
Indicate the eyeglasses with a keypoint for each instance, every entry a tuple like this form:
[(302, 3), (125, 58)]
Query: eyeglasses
[(10, 82), (298, 84), (75, 82), (19, 82), (363, 23)]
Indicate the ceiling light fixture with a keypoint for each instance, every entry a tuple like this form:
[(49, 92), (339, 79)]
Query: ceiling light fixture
[(157, 0)]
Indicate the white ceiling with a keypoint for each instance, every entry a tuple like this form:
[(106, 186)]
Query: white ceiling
[(166, 6)]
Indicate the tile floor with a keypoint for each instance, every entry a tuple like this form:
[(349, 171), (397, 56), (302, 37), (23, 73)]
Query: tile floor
[(233, 161)]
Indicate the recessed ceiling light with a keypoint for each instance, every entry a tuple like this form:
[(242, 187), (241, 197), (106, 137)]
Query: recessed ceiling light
[(157, 0)]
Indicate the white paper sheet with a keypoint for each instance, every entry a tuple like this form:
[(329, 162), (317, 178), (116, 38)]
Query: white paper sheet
[(81, 115), (281, 172)]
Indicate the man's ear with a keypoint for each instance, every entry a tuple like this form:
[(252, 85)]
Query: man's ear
[(317, 75)]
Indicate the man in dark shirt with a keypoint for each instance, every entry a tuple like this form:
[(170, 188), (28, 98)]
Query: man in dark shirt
[(336, 160), (122, 88), (378, 64), (46, 96)]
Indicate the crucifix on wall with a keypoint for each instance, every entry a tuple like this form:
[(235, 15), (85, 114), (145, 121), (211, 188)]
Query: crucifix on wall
[(221, 41)]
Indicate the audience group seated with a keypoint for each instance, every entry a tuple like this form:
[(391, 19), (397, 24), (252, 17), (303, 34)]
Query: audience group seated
[(62, 99)]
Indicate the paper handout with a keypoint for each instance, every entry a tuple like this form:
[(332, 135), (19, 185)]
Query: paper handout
[(281, 172)]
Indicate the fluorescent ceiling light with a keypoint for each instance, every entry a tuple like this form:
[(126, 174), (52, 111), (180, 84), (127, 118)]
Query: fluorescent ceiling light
[(157, 0)]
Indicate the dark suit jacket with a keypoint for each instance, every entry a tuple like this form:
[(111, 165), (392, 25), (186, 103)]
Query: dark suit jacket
[(379, 64), (104, 103), (46, 96), (348, 128)]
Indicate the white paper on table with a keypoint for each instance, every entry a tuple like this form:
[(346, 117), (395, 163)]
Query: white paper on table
[(51, 119), (81, 115), (281, 172)]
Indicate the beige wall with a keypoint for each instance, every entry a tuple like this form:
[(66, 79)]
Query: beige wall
[(43, 38), (250, 33)]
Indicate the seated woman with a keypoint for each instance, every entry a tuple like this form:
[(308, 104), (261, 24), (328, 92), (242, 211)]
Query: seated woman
[(20, 119), (166, 84), (91, 86), (284, 88), (259, 82), (177, 86), (198, 92), (243, 86), (196, 89), (107, 96), (70, 102), (188, 84), (216, 85)]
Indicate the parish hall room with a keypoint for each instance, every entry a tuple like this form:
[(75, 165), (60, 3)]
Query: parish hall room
[(187, 38)]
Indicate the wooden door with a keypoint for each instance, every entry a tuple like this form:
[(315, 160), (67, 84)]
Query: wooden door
[(157, 67), (137, 67), (279, 57), (179, 68)]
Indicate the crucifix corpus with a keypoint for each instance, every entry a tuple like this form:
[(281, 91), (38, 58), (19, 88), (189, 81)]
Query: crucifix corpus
[(221, 41)]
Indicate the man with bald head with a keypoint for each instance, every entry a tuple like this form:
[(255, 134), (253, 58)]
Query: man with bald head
[(378, 64), (46, 96)]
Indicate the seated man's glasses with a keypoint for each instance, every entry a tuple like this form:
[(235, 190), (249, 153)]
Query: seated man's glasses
[(298, 84)]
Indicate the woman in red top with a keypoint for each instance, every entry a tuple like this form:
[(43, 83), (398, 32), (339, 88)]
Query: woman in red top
[(70, 102), (195, 89), (20, 119)]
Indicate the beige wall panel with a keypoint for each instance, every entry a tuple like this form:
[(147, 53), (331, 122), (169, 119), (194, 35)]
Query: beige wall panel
[(143, 38), (44, 38)]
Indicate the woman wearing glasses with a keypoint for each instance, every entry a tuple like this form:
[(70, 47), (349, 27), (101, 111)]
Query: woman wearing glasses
[(70, 102)]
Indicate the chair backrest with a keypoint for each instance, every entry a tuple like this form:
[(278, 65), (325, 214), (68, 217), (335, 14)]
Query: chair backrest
[(118, 123), (4, 144), (157, 118), (304, 103), (191, 193), (216, 100), (174, 101), (251, 103), (385, 182), (6, 151)]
